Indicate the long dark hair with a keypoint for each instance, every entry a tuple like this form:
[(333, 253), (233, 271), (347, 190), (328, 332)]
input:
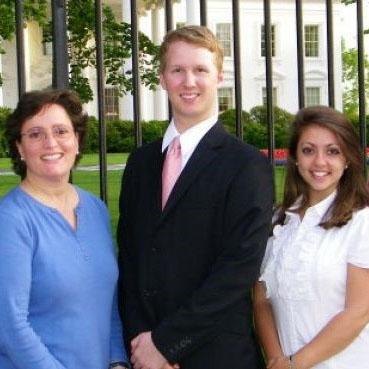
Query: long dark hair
[(352, 191)]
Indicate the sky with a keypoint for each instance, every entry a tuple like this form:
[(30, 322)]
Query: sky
[(349, 25)]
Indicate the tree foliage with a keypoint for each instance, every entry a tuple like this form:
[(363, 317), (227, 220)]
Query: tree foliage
[(32, 10), (81, 45), (255, 131), (35, 10), (350, 77)]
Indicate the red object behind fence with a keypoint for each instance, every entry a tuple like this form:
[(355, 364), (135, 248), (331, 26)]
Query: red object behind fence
[(281, 154)]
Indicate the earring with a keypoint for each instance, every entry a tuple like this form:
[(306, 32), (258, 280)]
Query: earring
[(22, 158), (346, 166), (297, 164)]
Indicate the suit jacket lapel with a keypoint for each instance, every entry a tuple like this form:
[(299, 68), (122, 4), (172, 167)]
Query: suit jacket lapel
[(204, 154)]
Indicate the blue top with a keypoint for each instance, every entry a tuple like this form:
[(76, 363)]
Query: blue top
[(58, 308)]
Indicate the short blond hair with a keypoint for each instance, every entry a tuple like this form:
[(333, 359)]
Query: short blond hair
[(195, 35)]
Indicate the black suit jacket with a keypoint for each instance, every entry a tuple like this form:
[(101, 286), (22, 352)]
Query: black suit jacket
[(186, 271)]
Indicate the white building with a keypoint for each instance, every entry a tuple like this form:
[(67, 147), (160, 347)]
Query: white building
[(154, 104)]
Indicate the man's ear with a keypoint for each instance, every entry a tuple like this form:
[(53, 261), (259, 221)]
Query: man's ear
[(220, 77), (162, 81)]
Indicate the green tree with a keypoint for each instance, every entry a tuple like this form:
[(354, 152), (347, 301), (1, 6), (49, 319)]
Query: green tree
[(32, 10), (4, 113), (117, 49), (228, 119), (258, 114), (282, 121), (81, 49), (351, 82)]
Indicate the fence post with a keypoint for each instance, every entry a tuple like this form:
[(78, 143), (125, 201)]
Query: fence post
[(101, 99), (20, 47), (60, 48)]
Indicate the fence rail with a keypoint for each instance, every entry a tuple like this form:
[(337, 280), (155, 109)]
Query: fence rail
[(61, 67)]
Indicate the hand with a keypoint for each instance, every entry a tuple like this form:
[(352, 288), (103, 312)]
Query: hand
[(168, 366), (145, 355), (279, 362)]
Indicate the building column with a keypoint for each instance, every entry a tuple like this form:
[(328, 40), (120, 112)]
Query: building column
[(192, 12), (92, 106), (160, 96), (27, 57), (126, 102)]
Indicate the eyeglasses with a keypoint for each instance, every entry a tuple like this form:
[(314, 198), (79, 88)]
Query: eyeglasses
[(60, 133)]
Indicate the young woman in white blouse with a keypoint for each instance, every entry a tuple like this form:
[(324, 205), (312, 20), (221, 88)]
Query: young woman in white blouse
[(311, 302)]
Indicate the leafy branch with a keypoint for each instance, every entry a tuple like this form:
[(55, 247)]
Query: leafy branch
[(35, 10), (81, 44), (350, 77)]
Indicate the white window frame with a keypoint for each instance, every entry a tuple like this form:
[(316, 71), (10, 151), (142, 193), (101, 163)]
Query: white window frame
[(229, 95), (312, 42), (111, 103), (47, 47), (228, 50), (264, 96), (273, 41), (308, 96)]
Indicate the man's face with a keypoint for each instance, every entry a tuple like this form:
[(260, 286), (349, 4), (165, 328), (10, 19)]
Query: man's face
[(191, 80)]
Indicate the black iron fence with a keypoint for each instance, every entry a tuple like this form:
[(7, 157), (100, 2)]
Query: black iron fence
[(60, 64)]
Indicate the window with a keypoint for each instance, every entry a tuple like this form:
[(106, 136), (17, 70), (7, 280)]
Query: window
[(264, 96), (272, 35), (225, 98), (47, 45), (47, 48), (180, 24), (312, 96), (111, 104), (311, 41), (223, 33)]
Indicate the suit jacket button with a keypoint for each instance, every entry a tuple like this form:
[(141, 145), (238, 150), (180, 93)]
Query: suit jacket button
[(146, 293), (149, 293)]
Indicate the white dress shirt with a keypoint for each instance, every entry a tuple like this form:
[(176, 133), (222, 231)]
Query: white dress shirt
[(190, 138), (305, 269)]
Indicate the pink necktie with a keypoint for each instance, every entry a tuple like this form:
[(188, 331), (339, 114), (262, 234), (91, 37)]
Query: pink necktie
[(171, 169)]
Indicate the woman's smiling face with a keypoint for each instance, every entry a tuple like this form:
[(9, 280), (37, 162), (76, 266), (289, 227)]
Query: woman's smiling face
[(321, 162), (48, 144)]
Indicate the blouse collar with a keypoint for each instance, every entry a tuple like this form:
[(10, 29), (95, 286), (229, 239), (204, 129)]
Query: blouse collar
[(314, 213)]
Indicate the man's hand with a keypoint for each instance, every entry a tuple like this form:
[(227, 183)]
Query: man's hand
[(168, 366), (145, 355)]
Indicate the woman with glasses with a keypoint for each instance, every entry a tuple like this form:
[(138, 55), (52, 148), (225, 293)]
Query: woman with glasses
[(312, 301), (58, 271)]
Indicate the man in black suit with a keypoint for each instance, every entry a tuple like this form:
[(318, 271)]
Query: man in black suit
[(188, 262)]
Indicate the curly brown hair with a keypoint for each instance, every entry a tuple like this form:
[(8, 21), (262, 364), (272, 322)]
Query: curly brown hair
[(352, 190), (30, 104)]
